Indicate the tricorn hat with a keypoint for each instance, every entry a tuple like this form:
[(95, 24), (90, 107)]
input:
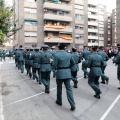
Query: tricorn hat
[(62, 44)]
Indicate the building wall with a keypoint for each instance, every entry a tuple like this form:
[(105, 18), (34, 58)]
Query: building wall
[(76, 15), (118, 21)]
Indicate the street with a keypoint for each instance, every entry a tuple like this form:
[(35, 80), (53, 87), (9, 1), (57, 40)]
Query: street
[(22, 98)]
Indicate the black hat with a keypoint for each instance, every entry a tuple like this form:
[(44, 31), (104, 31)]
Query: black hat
[(95, 47), (62, 44), (36, 48), (101, 47), (44, 46), (74, 49)]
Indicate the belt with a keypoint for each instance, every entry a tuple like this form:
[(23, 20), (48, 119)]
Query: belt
[(63, 68), (95, 66), (45, 63)]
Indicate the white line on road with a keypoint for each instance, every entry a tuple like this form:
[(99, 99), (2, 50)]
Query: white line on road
[(1, 103), (31, 96), (110, 108)]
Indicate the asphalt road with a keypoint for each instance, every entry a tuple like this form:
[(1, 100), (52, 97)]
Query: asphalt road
[(21, 98)]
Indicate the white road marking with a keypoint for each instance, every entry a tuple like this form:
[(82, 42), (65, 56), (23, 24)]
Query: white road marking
[(110, 108), (31, 96), (1, 63), (1, 103), (11, 62)]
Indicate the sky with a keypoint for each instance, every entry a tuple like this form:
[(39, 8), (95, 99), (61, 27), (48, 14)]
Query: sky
[(110, 4)]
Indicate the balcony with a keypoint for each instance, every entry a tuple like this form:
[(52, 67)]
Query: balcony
[(93, 23), (93, 30), (30, 28), (30, 4), (30, 39), (92, 44), (49, 16), (57, 6), (30, 16), (92, 37), (55, 39), (93, 2), (79, 22), (79, 2), (58, 28), (93, 16), (92, 9)]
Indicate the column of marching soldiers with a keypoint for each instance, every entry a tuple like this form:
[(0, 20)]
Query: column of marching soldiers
[(39, 62)]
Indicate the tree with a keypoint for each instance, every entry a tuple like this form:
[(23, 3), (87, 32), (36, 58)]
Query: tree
[(2, 37), (7, 22)]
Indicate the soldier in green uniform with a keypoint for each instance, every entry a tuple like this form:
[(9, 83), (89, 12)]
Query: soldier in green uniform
[(16, 57), (95, 62), (26, 59), (30, 62), (53, 51), (85, 54), (105, 59), (117, 62), (75, 68), (4, 55), (21, 56), (0, 55), (63, 61), (36, 64), (45, 67)]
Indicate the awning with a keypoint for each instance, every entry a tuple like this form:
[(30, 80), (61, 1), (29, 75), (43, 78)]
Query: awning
[(31, 20)]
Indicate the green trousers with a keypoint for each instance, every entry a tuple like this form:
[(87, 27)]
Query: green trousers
[(68, 91), (93, 81)]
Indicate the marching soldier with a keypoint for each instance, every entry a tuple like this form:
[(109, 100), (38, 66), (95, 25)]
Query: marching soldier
[(53, 52), (4, 55), (117, 61), (45, 67), (75, 68), (95, 62), (30, 62), (62, 62), (16, 57), (105, 59), (36, 64), (85, 54), (1, 55), (21, 56), (26, 59)]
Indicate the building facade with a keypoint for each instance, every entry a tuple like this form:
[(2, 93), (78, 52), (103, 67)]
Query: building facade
[(118, 22), (75, 22)]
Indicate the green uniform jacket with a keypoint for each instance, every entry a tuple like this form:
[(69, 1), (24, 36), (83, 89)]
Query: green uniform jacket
[(104, 57), (95, 63), (45, 61), (36, 59), (117, 61), (85, 54), (63, 61), (77, 60)]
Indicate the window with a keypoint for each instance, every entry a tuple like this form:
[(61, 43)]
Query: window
[(79, 16), (101, 35), (101, 10), (80, 7), (30, 34), (30, 11), (81, 27), (78, 37), (30, 23)]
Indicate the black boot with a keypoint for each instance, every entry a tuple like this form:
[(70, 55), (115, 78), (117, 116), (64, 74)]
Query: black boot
[(75, 85)]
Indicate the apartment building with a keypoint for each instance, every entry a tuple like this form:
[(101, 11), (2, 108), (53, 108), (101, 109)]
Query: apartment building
[(118, 21), (75, 22), (114, 33)]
